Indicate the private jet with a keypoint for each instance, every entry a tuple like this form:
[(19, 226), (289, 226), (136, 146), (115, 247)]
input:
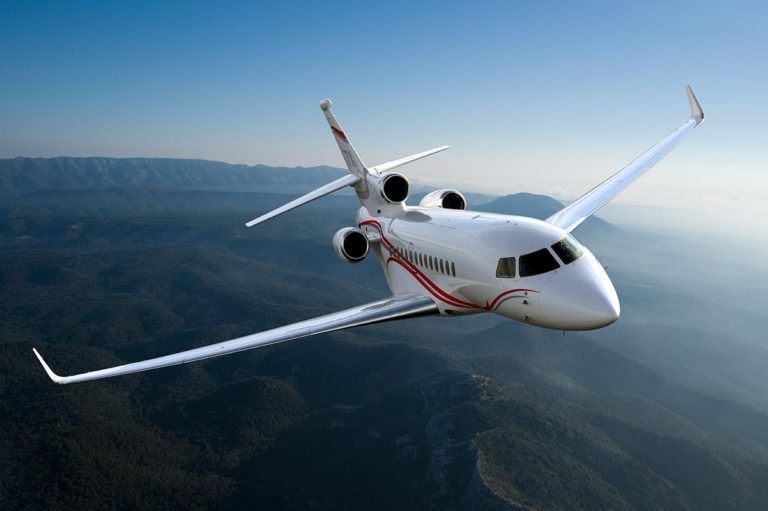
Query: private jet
[(440, 258)]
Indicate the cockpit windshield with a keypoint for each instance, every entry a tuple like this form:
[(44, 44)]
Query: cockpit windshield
[(540, 261), (568, 249), (536, 263)]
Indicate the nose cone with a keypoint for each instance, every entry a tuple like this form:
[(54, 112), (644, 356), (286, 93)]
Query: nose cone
[(603, 307), (580, 298)]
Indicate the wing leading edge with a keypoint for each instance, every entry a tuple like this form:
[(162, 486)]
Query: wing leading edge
[(582, 208), (395, 307)]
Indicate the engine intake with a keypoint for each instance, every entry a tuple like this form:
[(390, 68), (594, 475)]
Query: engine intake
[(395, 188), (446, 198), (350, 244)]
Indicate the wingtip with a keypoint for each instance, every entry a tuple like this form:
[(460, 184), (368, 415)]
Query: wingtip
[(696, 112), (53, 376), (254, 221)]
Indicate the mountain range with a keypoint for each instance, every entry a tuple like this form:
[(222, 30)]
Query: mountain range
[(23, 175)]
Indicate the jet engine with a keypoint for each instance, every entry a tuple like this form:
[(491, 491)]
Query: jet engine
[(394, 188), (446, 198), (350, 244)]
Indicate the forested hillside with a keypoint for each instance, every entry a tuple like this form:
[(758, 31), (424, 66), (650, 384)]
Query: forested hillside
[(664, 410)]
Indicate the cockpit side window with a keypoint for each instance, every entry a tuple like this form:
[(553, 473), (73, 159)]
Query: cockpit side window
[(506, 268), (537, 263), (568, 249)]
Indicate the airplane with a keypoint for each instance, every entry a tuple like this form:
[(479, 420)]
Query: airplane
[(440, 258)]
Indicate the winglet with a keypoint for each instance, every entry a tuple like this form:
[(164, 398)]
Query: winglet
[(53, 376), (696, 112)]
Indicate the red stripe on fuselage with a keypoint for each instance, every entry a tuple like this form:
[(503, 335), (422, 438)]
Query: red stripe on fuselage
[(416, 272), (446, 298), (492, 305), (430, 286)]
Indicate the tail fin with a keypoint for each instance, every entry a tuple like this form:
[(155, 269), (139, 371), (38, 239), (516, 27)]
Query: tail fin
[(354, 163)]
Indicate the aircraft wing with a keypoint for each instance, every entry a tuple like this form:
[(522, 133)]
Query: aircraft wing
[(395, 307), (575, 213)]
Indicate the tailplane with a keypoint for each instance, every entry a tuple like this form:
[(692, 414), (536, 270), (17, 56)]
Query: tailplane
[(359, 176)]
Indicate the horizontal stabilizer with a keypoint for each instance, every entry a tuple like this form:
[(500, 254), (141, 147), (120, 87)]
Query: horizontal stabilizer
[(395, 307), (408, 159), (342, 182)]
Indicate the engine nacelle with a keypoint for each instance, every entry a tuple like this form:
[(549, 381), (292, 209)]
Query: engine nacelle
[(350, 244), (394, 188), (446, 198)]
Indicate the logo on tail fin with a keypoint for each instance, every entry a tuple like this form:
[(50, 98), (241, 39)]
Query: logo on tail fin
[(339, 133)]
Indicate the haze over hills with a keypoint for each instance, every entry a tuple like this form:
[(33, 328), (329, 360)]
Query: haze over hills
[(24, 175), (666, 409)]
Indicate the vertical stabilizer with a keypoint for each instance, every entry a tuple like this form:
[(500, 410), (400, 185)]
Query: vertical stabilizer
[(354, 163)]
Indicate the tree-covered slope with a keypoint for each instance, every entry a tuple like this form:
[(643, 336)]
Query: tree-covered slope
[(433, 413)]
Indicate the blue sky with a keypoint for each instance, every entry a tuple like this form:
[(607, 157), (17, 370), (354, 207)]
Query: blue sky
[(536, 96)]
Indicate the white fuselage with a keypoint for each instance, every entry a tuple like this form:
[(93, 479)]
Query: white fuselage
[(453, 256)]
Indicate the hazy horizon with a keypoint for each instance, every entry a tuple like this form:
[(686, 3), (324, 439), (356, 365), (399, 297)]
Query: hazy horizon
[(541, 99)]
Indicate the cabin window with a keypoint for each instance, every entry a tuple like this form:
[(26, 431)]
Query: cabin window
[(506, 268), (453, 269), (430, 262), (537, 263)]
